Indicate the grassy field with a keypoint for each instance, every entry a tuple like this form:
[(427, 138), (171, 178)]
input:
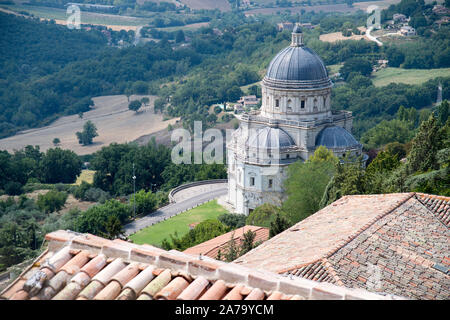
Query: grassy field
[(86, 175), (86, 17), (155, 234), (408, 76), (114, 122), (334, 68)]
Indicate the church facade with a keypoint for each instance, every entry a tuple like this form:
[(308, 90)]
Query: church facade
[(294, 119)]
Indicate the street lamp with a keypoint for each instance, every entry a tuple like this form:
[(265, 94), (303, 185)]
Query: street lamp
[(134, 193)]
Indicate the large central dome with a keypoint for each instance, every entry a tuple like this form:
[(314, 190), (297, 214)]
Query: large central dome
[(297, 64), (297, 67)]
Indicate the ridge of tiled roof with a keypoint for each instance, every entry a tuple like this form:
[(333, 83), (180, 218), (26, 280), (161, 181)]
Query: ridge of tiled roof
[(327, 240), (86, 267), (211, 247), (320, 270), (401, 250), (438, 205)]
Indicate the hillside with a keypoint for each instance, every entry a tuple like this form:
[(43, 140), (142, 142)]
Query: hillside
[(115, 123)]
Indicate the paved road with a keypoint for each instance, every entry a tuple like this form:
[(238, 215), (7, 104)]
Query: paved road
[(174, 208)]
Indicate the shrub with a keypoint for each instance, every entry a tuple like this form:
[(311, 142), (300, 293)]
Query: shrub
[(13, 188), (145, 202), (52, 201), (232, 220)]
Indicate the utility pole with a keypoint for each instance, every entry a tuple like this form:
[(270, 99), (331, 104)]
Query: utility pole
[(134, 193)]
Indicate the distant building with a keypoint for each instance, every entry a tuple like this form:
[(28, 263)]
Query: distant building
[(407, 31), (440, 10), (443, 20), (307, 26), (238, 108), (249, 101), (398, 17), (285, 26), (211, 247)]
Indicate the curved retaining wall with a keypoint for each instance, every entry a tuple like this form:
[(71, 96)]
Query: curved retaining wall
[(193, 184)]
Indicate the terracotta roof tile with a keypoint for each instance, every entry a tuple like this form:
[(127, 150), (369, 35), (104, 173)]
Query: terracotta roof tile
[(111, 269), (235, 293), (216, 292), (121, 270), (157, 284), (194, 290), (395, 244), (439, 205), (173, 289), (110, 292), (95, 265), (256, 294), (139, 282), (211, 247), (126, 274)]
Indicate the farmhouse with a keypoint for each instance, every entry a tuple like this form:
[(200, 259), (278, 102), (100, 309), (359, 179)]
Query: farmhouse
[(408, 31)]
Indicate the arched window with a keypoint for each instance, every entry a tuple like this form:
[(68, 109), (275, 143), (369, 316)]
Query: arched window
[(302, 103), (315, 104), (277, 103)]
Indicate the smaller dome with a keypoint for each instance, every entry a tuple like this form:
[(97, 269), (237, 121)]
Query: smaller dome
[(336, 137), (270, 138)]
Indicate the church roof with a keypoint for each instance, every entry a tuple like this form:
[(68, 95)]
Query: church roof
[(270, 138), (297, 67), (336, 137)]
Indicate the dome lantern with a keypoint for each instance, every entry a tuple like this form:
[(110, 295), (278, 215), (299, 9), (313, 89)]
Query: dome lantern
[(297, 36)]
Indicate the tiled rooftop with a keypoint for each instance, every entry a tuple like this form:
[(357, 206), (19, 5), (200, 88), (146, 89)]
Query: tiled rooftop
[(85, 267), (394, 243), (211, 247)]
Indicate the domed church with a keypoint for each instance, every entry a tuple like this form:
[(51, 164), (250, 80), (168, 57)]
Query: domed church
[(294, 119)]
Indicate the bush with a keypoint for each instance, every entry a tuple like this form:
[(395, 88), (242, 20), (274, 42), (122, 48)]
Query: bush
[(79, 191), (233, 221), (96, 219), (51, 201), (145, 202), (263, 215), (13, 188), (96, 195)]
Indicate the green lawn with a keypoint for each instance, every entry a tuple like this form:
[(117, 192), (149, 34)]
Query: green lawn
[(156, 233), (408, 76)]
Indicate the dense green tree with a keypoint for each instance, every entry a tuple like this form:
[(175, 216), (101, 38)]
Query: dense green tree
[(305, 185), (278, 225), (358, 65), (233, 220), (425, 145), (202, 232), (263, 215), (97, 218), (51, 201), (145, 202), (89, 132), (135, 105), (59, 165)]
